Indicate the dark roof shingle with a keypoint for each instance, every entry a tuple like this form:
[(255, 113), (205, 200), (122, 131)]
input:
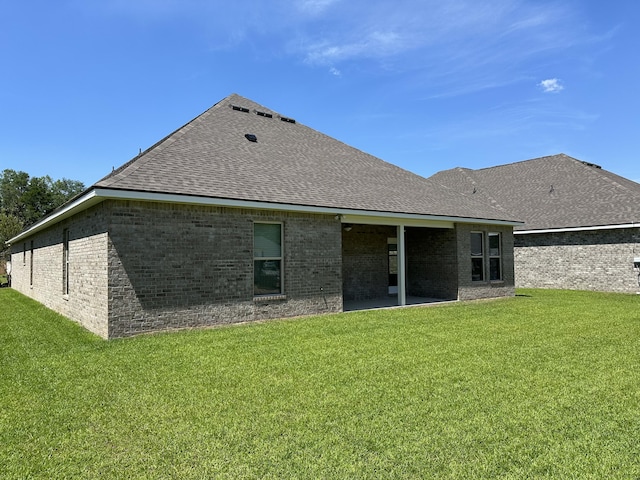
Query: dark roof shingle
[(288, 163), (551, 192)]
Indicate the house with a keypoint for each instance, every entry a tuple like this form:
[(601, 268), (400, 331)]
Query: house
[(582, 223), (244, 214)]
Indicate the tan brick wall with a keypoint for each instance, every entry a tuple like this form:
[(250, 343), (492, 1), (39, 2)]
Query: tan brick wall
[(86, 302), (599, 260)]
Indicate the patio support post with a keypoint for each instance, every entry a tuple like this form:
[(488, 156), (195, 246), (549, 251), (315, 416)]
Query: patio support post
[(402, 276)]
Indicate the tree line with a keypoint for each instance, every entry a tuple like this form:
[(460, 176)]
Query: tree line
[(25, 199)]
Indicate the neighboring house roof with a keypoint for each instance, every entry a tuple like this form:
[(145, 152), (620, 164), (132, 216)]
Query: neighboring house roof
[(240, 151), (554, 192)]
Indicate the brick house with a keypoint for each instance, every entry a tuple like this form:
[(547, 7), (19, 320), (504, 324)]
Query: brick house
[(582, 223), (243, 214)]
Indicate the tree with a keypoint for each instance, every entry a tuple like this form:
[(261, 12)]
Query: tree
[(24, 200), (13, 186), (10, 226), (30, 198), (65, 189)]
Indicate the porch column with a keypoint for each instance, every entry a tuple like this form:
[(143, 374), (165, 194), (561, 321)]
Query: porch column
[(402, 275)]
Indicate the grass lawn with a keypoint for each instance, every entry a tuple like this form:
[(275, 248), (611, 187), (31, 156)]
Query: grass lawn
[(544, 385)]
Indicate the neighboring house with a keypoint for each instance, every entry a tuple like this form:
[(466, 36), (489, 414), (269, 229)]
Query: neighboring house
[(582, 223), (243, 214)]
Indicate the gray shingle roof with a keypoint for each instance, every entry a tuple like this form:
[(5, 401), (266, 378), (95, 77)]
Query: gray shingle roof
[(288, 164), (557, 191)]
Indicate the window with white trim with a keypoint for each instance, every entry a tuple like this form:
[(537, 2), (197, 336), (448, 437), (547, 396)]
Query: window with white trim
[(267, 259), (495, 256), (477, 256), (24, 253)]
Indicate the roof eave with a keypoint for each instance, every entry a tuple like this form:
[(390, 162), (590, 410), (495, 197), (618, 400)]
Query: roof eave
[(83, 202), (579, 229), (97, 195)]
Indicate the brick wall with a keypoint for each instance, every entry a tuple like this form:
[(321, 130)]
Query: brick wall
[(141, 266), (86, 301), (176, 266), (365, 261), (600, 260), (471, 290), (431, 263)]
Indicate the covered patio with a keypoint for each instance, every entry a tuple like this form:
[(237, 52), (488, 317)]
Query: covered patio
[(389, 302), (386, 265)]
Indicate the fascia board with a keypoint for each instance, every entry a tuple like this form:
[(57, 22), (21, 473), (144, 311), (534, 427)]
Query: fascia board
[(82, 203), (98, 195), (250, 204), (578, 229)]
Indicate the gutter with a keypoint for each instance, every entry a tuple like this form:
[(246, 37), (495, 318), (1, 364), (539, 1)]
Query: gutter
[(578, 229), (98, 195)]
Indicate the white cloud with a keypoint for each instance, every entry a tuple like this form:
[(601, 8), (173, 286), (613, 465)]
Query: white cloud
[(551, 85), (315, 6), (334, 71), (373, 45), (447, 48)]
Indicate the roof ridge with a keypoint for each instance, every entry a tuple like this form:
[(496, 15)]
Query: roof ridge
[(528, 160), (606, 176)]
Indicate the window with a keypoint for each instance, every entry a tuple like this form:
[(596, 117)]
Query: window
[(31, 265), (477, 256), (478, 253), (65, 261), (24, 253), (495, 257), (267, 259)]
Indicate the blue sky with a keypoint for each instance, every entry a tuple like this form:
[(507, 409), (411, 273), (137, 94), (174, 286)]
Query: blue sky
[(427, 85)]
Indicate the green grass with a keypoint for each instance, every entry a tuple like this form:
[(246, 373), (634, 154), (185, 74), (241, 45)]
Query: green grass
[(544, 385)]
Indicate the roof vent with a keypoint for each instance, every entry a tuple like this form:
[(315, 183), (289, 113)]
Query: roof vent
[(263, 114), (251, 137), (591, 165), (288, 120), (240, 109)]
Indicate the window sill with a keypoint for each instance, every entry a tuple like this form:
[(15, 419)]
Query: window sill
[(65, 297), (488, 282), (269, 298)]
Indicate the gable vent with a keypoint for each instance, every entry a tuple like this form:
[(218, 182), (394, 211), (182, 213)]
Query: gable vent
[(251, 137), (240, 109), (263, 114), (288, 120)]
